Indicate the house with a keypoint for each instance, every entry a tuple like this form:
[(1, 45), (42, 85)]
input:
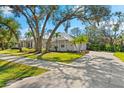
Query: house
[(27, 42), (63, 42)]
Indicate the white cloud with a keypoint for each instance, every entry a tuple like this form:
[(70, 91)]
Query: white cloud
[(6, 10)]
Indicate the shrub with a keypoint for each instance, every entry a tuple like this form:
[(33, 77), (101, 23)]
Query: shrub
[(106, 47)]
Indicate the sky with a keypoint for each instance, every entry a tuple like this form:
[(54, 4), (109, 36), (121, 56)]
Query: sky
[(74, 23), (115, 8)]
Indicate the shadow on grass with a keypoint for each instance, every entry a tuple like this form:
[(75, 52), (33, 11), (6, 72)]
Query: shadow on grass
[(5, 66), (15, 71)]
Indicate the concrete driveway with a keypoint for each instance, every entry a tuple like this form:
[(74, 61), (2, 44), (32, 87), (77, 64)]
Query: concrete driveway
[(94, 70)]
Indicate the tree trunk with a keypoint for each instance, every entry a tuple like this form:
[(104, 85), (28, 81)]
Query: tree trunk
[(51, 35), (2, 46), (20, 48), (19, 45), (47, 45), (38, 43), (43, 29)]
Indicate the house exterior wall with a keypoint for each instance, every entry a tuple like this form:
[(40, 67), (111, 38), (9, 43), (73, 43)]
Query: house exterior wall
[(65, 45), (62, 45)]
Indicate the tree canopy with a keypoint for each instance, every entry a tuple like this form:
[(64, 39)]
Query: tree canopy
[(100, 23)]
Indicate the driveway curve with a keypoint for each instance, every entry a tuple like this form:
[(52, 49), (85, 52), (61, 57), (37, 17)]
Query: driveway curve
[(94, 70)]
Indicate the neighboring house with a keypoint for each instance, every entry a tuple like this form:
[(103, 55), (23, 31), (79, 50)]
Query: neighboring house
[(61, 43)]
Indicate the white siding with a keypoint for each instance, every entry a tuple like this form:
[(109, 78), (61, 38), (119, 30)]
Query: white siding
[(64, 45)]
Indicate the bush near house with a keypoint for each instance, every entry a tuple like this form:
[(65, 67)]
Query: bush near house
[(120, 55), (14, 71), (106, 47)]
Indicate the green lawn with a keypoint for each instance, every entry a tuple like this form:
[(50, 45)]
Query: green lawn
[(15, 52), (120, 55), (61, 57), (52, 56), (14, 71)]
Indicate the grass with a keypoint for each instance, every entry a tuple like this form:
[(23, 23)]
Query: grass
[(14, 71), (15, 52), (120, 55), (52, 56), (61, 57)]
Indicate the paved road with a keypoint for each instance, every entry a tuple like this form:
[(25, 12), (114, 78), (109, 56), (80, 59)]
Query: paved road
[(95, 70)]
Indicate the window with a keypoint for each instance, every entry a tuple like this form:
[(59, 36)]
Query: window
[(62, 46)]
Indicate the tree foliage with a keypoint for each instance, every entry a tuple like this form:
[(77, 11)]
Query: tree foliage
[(102, 26), (9, 30)]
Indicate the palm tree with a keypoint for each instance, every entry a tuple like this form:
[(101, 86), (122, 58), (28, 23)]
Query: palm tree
[(56, 35), (80, 40), (3, 38), (12, 26), (28, 36)]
